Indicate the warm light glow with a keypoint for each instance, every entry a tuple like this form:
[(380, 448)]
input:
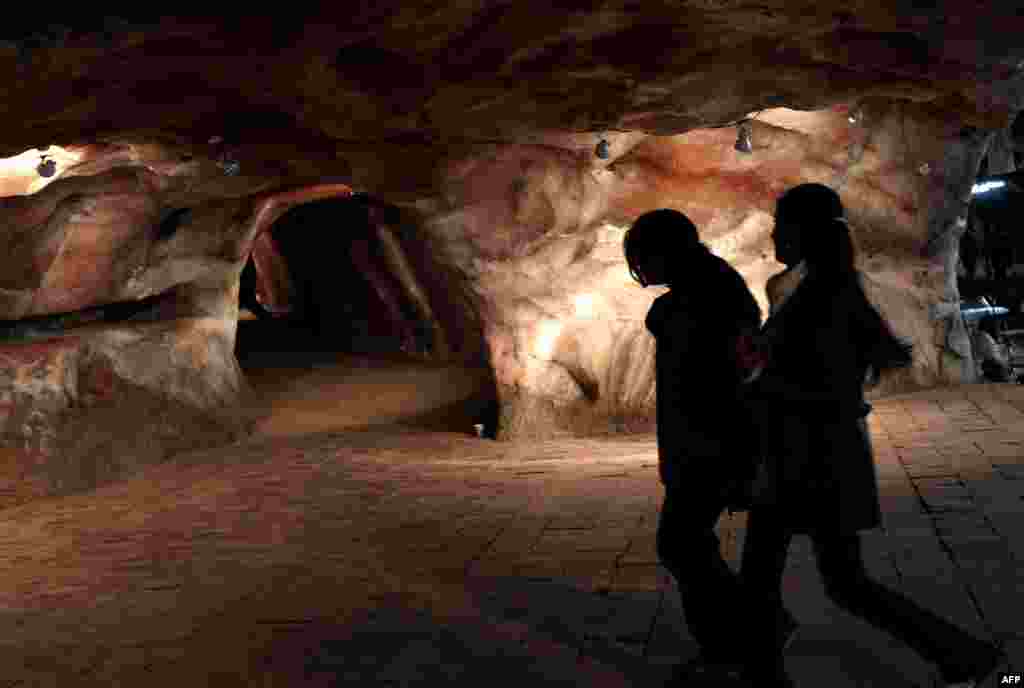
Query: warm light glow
[(611, 234), (584, 304), (984, 187), (547, 333), (19, 176)]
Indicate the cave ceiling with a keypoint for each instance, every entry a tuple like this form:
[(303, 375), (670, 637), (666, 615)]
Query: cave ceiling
[(364, 79)]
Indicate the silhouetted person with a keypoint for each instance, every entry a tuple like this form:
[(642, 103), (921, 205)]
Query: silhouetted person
[(703, 446), (819, 475)]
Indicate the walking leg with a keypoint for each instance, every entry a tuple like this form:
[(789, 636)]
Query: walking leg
[(709, 590), (762, 565), (957, 653)]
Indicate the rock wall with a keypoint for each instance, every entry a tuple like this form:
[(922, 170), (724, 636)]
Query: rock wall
[(82, 410), (480, 120), (141, 249), (514, 256), (537, 231)]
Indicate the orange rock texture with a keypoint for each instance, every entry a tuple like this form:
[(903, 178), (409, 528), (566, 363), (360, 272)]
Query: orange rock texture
[(178, 141)]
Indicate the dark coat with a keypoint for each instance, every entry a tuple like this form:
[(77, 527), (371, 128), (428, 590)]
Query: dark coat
[(819, 466), (703, 433)]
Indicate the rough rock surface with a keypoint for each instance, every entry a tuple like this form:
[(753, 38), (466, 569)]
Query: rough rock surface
[(479, 121), (81, 410), (367, 72), (541, 233), (126, 386)]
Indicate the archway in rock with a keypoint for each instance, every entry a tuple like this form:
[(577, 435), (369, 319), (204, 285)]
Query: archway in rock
[(334, 330), (334, 292)]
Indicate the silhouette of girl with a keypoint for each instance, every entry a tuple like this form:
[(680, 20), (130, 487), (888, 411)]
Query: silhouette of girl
[(818, 476)]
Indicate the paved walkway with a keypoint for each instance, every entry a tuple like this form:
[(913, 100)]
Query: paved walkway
[(398, 558)]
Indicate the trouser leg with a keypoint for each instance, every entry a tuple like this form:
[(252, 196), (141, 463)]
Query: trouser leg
[(762, 564), (848, 585), (689, 548)]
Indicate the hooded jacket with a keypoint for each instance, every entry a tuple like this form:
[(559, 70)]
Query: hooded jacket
[(700, 416)]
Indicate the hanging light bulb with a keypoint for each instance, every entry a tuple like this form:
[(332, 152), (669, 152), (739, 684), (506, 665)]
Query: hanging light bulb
[(46, 168), (603, 149), (743, 140), (229, 165)]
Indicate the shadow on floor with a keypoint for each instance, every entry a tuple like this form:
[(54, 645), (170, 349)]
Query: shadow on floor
[(494, 643)]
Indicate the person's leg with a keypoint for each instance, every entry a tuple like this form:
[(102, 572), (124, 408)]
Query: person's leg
[(952, 649), (688, 547), (763, 562)]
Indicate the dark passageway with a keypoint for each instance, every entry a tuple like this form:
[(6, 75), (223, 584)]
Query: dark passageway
[(341, 297), (350, 349)]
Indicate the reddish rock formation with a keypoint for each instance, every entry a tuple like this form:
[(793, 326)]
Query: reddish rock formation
[(181, 140)]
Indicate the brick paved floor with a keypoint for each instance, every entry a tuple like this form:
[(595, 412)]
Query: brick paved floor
[(390, 557)]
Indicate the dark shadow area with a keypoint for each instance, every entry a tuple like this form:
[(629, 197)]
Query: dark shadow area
[(157, 307), (337, 279), (405, 647), (992, 270), (351, 350), (545, 632), (992, 247)]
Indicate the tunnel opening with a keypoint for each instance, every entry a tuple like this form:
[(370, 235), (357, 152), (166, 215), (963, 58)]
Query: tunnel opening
[(333, 293), (333, 334)]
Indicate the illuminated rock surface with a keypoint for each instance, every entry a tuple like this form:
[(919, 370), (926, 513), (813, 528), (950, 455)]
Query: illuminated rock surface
[(176, 142)]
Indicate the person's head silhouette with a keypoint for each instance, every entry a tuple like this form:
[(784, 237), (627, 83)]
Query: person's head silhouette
[(657, 244), (810, 226)]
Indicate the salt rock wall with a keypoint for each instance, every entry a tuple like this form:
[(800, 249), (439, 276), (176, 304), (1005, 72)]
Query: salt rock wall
[(537, 231), (141, 250)]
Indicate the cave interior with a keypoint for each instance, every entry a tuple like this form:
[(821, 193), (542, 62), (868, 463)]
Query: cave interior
[(258, 271), (449, 191)]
